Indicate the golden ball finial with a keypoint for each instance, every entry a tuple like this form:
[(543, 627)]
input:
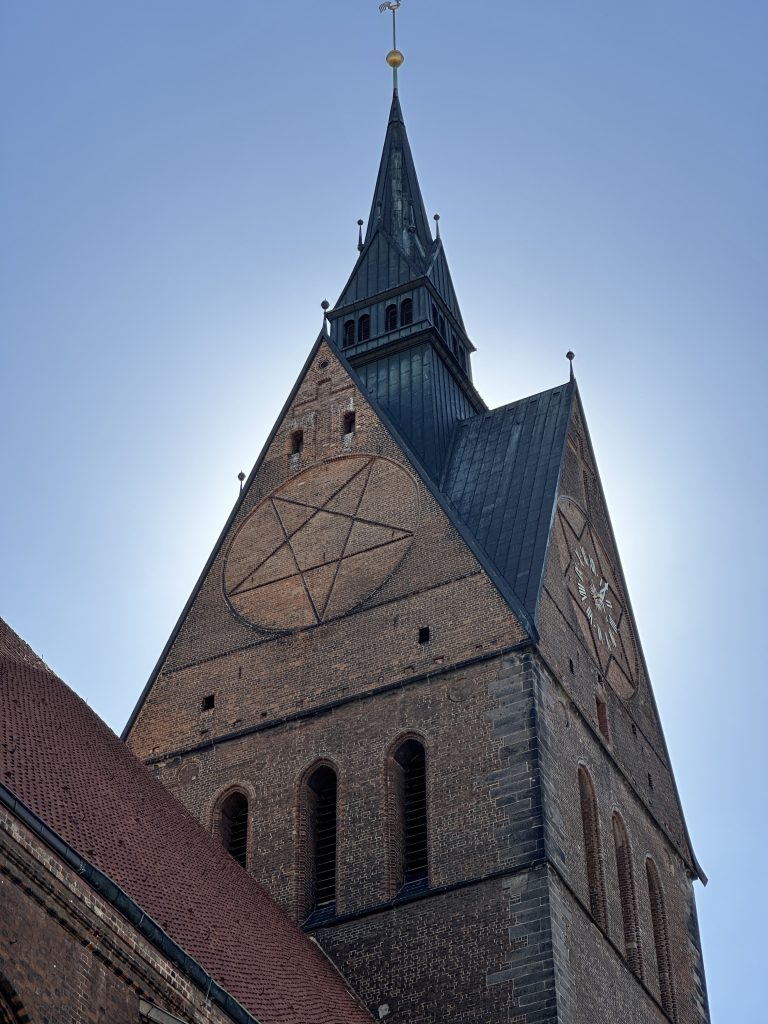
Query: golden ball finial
[(395, 59)]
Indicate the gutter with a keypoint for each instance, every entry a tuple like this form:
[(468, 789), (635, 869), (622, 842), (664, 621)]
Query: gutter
[(129, 909)]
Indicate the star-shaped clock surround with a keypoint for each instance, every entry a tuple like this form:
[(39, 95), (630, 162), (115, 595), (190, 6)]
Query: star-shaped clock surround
[(596, 595), (321, 543)]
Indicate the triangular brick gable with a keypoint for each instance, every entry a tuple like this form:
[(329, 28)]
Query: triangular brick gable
[(351, 527), (581, 520)]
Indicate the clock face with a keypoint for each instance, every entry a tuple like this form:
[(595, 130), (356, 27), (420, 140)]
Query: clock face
[(596, 600), (600, 608)]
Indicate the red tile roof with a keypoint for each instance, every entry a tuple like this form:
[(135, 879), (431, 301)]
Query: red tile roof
[(69, 768)]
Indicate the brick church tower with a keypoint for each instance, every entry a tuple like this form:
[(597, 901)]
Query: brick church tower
[(407, 692)]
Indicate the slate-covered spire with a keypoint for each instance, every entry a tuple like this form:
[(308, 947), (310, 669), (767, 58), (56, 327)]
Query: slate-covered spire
[(398, 208)]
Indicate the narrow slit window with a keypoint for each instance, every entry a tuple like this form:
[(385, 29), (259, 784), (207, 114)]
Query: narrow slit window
[(406, 312), (592, 850), (627, 895), (297, 442), (602, 718), (424, 635), (442, 325), (410, 828), (364, 328), (209, 702), (661, 940), (322, 793), (348, 423), (435, 317), (390, 318), (233, 827), (349, 333)]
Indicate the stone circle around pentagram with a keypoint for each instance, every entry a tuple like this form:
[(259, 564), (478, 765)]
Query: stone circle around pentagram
[(321, 543)]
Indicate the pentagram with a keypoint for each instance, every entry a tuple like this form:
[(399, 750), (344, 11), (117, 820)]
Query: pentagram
[(321, 543)]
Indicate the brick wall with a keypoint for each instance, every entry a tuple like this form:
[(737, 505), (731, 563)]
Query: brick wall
[(67, 956), (259, 675)]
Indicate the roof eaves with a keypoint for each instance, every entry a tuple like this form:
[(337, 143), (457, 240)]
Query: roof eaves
[(128, 908)]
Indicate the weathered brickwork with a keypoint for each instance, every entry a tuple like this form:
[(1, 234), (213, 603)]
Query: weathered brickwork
[(259, 676), (480, 953), (505, 932), (67, 957), (484, 814), (635, 740)]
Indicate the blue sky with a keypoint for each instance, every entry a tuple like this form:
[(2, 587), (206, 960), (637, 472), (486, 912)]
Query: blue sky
[(179, 186)]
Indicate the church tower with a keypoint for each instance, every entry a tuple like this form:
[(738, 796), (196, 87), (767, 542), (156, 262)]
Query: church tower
[(407, 692)]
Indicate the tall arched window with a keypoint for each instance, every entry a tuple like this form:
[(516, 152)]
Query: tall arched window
[(406, 312), (409, 849), (233, 827), (320, 836), (364, 328), (592, 852), (390, 318), (661, 940), (627, 895), (349, 333)]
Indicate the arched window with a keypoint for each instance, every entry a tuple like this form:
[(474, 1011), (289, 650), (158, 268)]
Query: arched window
[(592, 851), (320, 836), (390, 318), (364, 328), (661, 940), (349, 333), (409, 853), (233, 827), (627, 895), (297, 442), (406, 312)]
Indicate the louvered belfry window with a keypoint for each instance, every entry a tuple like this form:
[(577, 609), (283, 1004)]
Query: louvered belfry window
[(322, 807), (661, 940), (592, 851), (234, 827), (411, 833), (627, 896)]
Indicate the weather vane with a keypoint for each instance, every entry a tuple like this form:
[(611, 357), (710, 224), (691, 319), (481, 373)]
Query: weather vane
[(394, 57)]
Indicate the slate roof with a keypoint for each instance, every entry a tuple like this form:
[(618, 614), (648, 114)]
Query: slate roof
[(60, 760), (501, 478)]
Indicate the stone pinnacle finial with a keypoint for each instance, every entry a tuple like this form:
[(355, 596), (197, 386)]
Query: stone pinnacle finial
[(360, 235), (241, 478), (570, 357), (437, 225)]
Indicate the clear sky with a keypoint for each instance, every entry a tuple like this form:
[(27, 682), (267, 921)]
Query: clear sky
[(179, 186)]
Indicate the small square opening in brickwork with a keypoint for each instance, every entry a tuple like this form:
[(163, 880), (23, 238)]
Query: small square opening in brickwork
[(424, 635), (209, 702)]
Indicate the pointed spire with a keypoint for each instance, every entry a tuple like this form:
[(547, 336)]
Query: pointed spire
[(398, 207)]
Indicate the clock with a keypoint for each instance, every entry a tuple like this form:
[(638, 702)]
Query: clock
[(596, 600), (596, 595)]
